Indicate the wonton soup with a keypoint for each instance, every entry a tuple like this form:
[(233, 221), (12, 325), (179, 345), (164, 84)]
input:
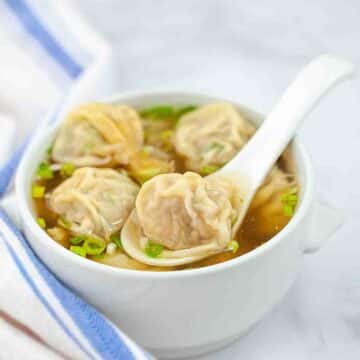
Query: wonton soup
[(111, 163)]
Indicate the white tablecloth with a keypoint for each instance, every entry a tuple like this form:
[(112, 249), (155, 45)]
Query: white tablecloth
[(251, 49)]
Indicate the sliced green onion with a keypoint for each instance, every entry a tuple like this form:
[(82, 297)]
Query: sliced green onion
[(158, 112), (185, 109), (146, 174), (64, 222), (233, 246), (166, 135), (288, 210), (289, 201), (78, 250), (98, 257), (209, 169), (77, 240), (215, 145), (49, 150), (38, 191), (41, 222), (153, 250), (45, 172), (234, 218), (164, 112), (293, 199), (67, 169), (94, 246), (115, 238)]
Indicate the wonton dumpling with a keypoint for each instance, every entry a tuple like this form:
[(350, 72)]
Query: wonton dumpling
[(97, 134), (185, 211), (95, 201), (211, 135), (273, 187)]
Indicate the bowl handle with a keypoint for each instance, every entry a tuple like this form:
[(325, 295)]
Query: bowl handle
[(325, 221), (8, 203)]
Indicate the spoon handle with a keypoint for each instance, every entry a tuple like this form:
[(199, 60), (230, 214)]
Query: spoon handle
[(264, 148)]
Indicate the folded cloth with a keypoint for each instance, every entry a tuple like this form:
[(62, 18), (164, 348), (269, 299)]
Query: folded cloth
[(47, 51)]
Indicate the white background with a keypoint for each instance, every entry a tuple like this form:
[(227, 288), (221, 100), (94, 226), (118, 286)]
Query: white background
[(250, 49)]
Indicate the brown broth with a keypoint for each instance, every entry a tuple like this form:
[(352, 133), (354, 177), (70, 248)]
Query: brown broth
[(259, 226)]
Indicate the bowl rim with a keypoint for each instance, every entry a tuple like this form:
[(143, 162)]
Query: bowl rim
[(28, 219)]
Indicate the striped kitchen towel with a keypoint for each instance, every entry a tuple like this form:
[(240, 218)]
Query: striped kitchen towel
[(51, 59)]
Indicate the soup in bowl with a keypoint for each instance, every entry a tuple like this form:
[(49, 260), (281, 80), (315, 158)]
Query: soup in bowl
[(74, 196), (110, 164)]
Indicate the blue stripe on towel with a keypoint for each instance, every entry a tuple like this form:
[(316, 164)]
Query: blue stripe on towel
[(37, 292), (8, 170), (39, 295), (99, 332), (36, 29)]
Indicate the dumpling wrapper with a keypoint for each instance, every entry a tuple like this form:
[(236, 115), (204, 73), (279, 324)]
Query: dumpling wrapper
[(211, 135), (98, 134), (95, 201), (190, 216), (275, 185)]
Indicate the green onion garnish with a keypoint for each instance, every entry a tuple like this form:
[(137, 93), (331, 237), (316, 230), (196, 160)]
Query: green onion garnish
[(41, 222), (185, 109), (164, 112), (158, 112), (166, 135), (78, 250), (77, 240), (146, 174), (289, 201), (153, 250), (214, 145), (67, 170), (45, 172), (94, 246), (98, 257), (288, 210), (49, 150), (64, 222), (115, 238), (233, 246), (38, 191), (209, 169)]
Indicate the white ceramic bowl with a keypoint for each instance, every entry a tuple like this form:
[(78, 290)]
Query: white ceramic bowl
[(183, 313)]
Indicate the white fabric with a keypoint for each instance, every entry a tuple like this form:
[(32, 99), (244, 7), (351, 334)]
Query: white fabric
[(18, 301), (26, 347), (22, 100), (7, 129), (31, 85)]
